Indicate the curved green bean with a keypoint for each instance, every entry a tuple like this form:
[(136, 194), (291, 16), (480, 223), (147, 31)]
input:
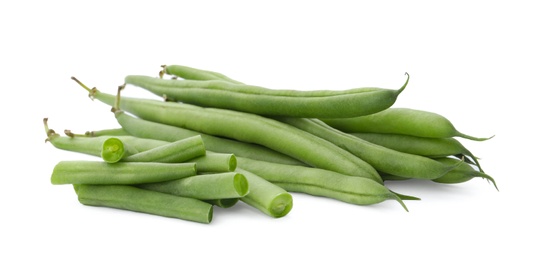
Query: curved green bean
[(401, 121), (463, 173), (205, 187), (319, 182), (194, 74), (94, 172), (146, 201), (272, 102)]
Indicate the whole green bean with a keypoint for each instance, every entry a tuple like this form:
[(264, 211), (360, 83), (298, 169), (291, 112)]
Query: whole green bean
[(319, 182), (424, 146), (107, 132), (272, 102), (267, 197), (381, 158), (194, 74), (94, 172), (463, 173), (146, 201), (205, 187), (400, 121), (252, 128), (175, 152)]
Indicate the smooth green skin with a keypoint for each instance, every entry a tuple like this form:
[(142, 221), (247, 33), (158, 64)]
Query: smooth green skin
[(463, 173), (146, 129), (267, 197), (424, 146), (175, 152), (216, 162), (272, 102), (381, 158), (404, 121), (127, 173), (319, 182), (224, 203), (205, 187), (145, 201), (114, 150), (107, 132), (251, 128), (195, 74)]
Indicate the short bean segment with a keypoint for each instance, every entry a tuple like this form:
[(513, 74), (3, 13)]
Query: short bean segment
[(215, 162), (146, 201), (114, 150), (204, 187), (94, 172), (400, 121), (272, 102), (381, 158), (278, 136), (174, 152), (194, 74), (424, 146), (463, 173), (319, 182)]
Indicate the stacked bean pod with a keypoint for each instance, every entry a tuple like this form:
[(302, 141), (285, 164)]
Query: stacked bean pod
[(216, 141)]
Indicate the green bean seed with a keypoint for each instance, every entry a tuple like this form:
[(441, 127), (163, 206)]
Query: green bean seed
[(146, 201), (401, 121), (204, 187), (94, 172), (272, 102)]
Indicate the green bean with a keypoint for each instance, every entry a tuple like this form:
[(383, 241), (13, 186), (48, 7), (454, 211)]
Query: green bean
[(267, 197), (175, 152), (215, 162), (114, 150), (424, 146), (253, 128), (94, 172), (397, 163), (463, 173), (272, 102), (224, 203), (194, 74), (319, 182), (107, 132), (205, 187), (401, 121), (151, 202)]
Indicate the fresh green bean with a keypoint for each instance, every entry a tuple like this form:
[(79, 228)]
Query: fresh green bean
[(146, 201), (215, 162), (107, 132), (424, 146), (114, 150), (381, 158), (401, 121), (94, 172), (263, 101), (253, 128), (463, 173), (224, 203), (205, 187), (267, 197), (175, 152), (194, 74), (319, 182)]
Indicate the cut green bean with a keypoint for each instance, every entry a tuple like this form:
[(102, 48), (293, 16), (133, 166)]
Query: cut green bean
[(224, 203), (400, 121), (381, 158), (424, 146), (114, 150), (175, 152), (319, 182), (215, 162), (194, 74), (205, 187), (463, 173), (272, 102), (146, 201), (94, 172)]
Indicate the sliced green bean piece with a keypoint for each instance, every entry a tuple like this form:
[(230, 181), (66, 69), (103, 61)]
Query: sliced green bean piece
[(267, 197), (272, 102), (194, 74), (215, 162), (400, 121), (424, 146), (319, 182), (204, 187), (114, 150), (175, 152), (127, 173), (381, 158), (146, 201), (463, 173), (224, 203)]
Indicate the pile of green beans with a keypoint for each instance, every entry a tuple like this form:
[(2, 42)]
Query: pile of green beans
[(213, 140)]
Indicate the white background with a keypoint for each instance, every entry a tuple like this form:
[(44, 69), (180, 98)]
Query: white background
[(471, 61)]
